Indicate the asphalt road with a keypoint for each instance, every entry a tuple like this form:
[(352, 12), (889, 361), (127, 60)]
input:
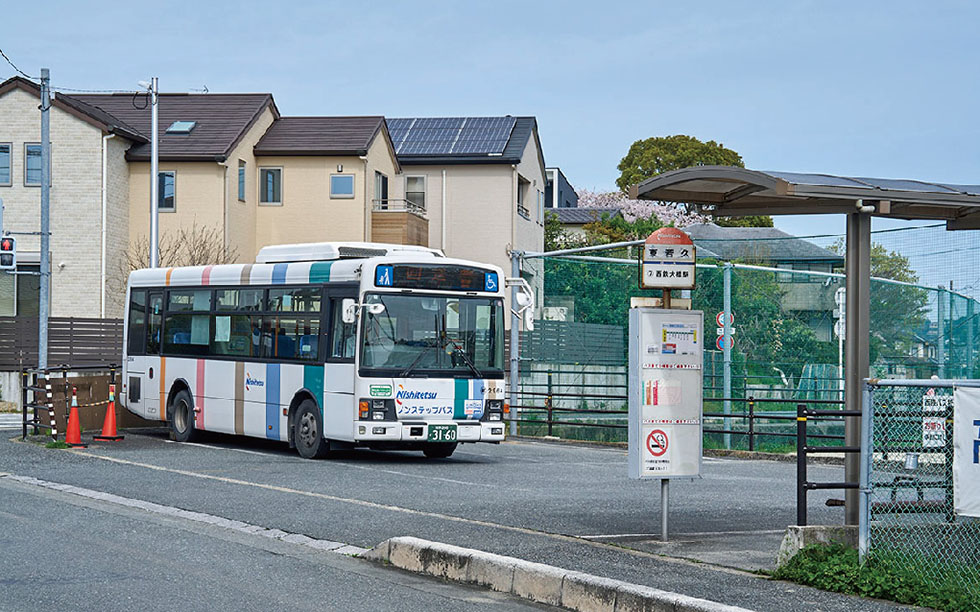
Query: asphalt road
[(60, 551), (553, 503)]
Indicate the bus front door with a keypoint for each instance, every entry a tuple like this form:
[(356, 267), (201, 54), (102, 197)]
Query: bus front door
[(153, 366)]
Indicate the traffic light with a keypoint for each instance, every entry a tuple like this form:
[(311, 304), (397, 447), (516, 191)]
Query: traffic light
[(8, 253)]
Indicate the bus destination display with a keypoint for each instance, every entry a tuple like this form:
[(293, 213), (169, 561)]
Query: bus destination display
[(445, 278)]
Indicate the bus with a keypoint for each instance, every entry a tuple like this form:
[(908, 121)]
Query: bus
[(324, 346)]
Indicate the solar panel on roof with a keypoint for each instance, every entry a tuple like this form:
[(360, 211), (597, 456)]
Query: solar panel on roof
[(451, 135)]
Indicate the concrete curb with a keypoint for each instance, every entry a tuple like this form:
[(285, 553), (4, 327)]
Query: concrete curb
[(534, 581)]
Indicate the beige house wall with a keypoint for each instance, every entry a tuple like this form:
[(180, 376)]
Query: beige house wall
[(199, 191), (481, 218), (307, 212), (76, 201), (241, 216)]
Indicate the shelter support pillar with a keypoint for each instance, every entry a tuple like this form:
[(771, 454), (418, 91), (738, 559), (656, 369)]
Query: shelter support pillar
[(857, 363)]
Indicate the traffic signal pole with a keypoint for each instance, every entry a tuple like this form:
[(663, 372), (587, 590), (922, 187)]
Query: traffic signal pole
[(44, 306)]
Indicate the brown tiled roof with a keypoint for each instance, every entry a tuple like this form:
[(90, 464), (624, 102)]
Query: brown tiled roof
[(73, 106), (221, 121), (320, 136)]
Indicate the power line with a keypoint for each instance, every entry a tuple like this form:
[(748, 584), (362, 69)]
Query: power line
[(14, 66)]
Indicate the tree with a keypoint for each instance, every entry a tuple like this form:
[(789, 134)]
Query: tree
[(661, 154), (653, 156), (188, 246)]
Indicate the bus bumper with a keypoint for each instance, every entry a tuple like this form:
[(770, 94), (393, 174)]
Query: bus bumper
[(388, 431)]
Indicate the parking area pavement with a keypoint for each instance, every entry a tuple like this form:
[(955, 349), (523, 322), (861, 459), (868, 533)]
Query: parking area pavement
[(565, 505)]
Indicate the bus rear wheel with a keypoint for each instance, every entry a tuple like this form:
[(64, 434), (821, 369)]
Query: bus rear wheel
[(182, 418), (439, 450), (308, 432)]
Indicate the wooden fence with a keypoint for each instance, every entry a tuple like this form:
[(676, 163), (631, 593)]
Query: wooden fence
[(72, 341)]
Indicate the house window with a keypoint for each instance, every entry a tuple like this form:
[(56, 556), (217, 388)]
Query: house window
[(540, 207), (522, 187), (5, 161), (380, 190), (270, 185), (20, 293), (241, 180), (32, 165), (415, 190), (341, 185), (167, 185)]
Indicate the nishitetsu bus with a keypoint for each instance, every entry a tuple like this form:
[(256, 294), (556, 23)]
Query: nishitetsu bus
[(323, 346)]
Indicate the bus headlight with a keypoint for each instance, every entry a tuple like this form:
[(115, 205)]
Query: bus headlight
[(376, 409), (495, 410)]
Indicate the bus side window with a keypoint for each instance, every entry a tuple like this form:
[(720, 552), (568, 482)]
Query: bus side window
[(342, 336)]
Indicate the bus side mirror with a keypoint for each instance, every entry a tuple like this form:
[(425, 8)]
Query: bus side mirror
[(348, 309)]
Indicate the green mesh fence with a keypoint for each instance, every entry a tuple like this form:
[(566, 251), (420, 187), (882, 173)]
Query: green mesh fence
[(911, 519), (785, 351)]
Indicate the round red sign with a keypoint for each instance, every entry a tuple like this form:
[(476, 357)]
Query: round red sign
[(657, 442)]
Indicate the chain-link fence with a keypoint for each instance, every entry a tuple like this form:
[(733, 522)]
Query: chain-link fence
[(784, 294), (911, 525)]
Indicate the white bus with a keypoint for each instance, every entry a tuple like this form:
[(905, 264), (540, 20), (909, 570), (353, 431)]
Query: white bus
[(323, 346)]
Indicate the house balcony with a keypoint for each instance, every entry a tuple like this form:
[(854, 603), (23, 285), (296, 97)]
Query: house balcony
[(399, 221)]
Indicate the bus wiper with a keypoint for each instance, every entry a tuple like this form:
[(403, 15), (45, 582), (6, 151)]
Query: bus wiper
[(466, 358), (414, 363)]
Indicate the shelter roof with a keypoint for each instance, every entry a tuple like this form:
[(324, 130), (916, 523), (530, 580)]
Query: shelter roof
[(732, 191)]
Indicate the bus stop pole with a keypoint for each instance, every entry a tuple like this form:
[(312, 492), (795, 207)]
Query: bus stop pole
[(856, 347)]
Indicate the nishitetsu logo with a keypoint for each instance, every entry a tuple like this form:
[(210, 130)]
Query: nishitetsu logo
[(252, 382), (413, 395)]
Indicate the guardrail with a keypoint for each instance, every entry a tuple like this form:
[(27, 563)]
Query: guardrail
[(398, 205), (35, 382)]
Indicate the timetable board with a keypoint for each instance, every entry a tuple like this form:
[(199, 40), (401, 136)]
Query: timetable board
[(666, 355)]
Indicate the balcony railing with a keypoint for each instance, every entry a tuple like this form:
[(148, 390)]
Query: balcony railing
[(398, 205)]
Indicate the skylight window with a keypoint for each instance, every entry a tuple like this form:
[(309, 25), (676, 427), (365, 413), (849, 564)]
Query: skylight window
[(181, 127)]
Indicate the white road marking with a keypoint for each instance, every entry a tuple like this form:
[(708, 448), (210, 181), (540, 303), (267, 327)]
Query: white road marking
[(199, 517), (227, 448), (680, 535), (354, 465), (412, 511)]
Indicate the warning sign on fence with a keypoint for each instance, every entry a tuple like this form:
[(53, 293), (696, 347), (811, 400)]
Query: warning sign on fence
[(966, 451)]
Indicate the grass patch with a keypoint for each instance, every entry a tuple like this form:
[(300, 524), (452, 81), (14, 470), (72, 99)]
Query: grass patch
[(56, 444), (908, 580)]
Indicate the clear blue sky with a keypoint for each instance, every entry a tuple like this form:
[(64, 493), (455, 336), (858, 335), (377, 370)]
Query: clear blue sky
[(884, 89)]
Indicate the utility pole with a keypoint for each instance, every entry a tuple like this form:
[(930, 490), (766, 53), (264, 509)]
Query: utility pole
[(727, 353), (44, 308), (154, 177)]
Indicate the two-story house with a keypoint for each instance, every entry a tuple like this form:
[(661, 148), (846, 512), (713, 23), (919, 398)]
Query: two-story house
[(480, 180), (89, 201), (231, 165)]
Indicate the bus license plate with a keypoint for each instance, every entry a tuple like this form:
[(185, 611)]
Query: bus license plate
[(442, 433)]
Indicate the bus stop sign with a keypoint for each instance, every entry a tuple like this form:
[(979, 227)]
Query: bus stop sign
[(667, 261)]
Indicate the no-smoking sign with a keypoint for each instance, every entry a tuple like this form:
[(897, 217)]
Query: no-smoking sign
[(657, 442)]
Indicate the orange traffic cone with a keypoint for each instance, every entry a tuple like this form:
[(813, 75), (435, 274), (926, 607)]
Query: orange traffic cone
[(74, 435), (109, 424)]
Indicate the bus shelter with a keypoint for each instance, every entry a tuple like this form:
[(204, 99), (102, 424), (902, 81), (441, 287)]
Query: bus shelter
[(735, 192)]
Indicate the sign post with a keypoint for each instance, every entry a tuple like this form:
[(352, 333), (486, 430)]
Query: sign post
[(666, 353)]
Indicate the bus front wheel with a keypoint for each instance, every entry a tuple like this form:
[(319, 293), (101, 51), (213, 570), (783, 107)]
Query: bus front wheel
[(308, 432), (439, 450)]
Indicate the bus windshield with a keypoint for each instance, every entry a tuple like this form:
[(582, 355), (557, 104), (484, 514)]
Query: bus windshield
[(423, 335)]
